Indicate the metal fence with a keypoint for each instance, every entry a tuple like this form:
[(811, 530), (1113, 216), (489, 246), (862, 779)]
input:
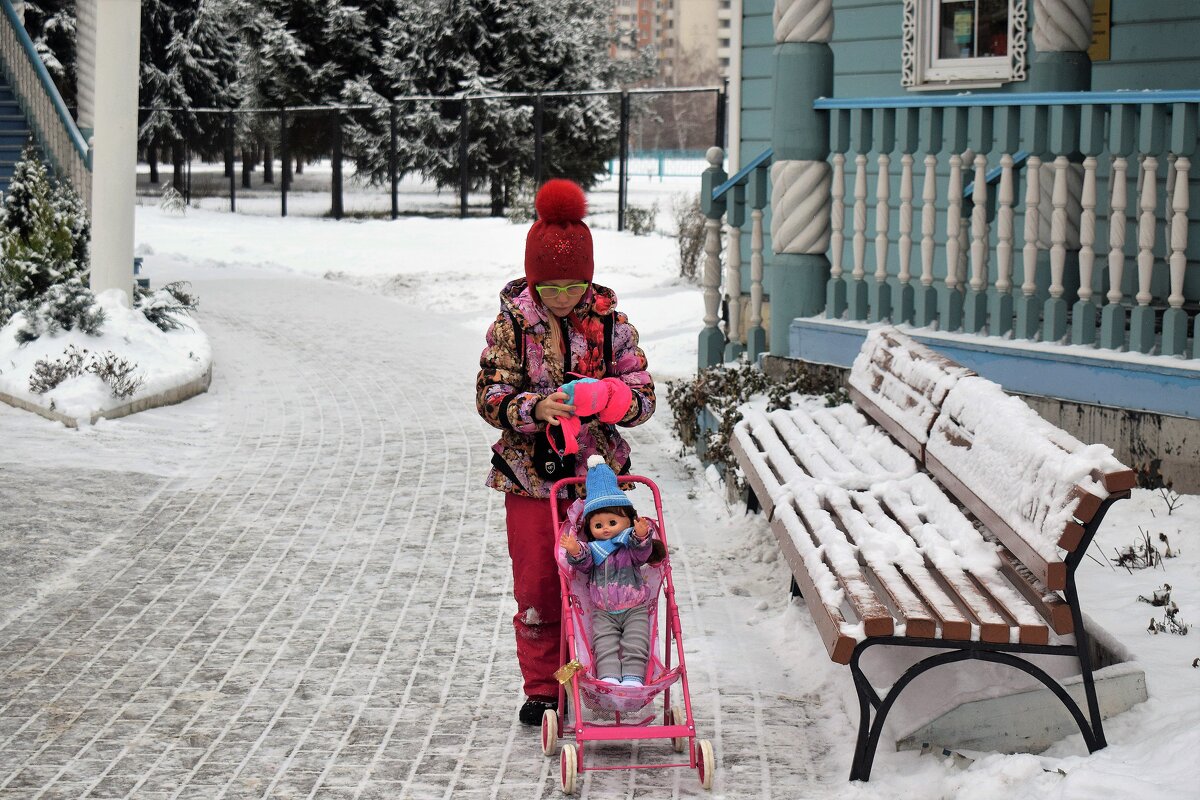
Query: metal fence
[(256, 156)]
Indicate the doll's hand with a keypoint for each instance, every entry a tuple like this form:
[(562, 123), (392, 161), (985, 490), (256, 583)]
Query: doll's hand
[(641, 529), (570, 544)]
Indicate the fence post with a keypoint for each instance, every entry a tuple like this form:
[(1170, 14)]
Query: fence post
[(393, 121), (337, 164), (722, 112), (230, 147), (230, 154), (538, 108), (464, 172), (622, 189), (285, 162)]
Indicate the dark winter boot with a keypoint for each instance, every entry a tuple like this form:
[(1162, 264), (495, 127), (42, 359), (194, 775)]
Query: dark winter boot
[(531, 713)]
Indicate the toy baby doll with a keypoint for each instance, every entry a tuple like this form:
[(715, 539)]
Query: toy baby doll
[(619, 543)]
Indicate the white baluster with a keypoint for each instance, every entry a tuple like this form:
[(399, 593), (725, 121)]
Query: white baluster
[(756, 267), (882, 217), (1146, 205), (906, 217), (712, 272), (953, 220), (1179, 231), (733, 282), (1058, 227), (1116, 230), (860, 216), (979, 226), (928, 219), (837, 215), (1087, 229), (1004, 227)]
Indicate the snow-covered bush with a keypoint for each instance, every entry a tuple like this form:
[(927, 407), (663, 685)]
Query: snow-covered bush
[(63, 307), (115, 371), (641, 220), (165, 306), (689, 222), (44, 232), (172, 201)]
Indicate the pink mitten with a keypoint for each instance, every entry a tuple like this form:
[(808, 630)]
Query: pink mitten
[(591, 397), (620, 397), (570, 432)]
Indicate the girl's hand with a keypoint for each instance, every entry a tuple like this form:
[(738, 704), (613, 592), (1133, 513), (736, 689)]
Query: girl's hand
[(570, 544), (641, 529), (550, 408)]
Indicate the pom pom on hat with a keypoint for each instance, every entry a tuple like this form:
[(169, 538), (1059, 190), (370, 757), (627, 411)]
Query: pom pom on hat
[(595, 460), (561, 201), (559, 245)]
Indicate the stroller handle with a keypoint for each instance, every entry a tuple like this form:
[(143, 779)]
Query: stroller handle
[(565, 482)]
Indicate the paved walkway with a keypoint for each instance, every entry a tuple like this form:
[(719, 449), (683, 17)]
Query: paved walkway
[(312, 597)]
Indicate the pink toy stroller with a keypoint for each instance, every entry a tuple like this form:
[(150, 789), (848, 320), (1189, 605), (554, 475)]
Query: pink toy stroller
[(604, 711)]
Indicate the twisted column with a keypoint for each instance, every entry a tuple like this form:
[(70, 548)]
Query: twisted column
[(1062, 26), (801, 179)]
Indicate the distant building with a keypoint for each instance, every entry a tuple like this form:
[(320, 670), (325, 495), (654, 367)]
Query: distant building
[(692, 38)]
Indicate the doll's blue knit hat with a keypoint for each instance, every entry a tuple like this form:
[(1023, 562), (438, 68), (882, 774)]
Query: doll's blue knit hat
[(602, 489)]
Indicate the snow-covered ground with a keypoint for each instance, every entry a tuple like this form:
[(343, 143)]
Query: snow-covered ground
[(160, 361), (296, 585)]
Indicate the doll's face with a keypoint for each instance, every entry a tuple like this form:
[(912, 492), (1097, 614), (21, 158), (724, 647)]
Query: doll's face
[(605, 525)]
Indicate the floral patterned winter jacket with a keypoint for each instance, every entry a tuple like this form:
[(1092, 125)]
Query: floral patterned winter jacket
[(515, 373)]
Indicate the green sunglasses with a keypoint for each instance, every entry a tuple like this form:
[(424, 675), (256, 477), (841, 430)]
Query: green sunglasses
[(557, 292)]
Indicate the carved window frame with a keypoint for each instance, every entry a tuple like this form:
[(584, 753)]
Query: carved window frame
[(919, 71)]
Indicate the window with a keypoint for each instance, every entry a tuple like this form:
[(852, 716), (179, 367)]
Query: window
[(952, 44)]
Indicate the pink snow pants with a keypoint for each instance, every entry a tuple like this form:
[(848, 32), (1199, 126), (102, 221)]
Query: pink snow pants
[(531, 543)]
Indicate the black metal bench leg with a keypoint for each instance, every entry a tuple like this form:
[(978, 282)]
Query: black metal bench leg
[(795, 588), (860, 769), (1084, 647)]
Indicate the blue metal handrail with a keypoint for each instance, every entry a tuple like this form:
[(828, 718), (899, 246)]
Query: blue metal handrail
[(743, 173), (993, 174), (1134, 98), (47, 82)]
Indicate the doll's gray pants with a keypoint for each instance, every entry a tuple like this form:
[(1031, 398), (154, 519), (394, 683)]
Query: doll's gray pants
[(621, 642)]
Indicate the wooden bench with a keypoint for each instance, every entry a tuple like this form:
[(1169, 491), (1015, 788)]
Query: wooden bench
[(935, 512)]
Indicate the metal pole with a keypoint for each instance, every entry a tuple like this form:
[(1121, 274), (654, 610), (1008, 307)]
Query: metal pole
[(393, 115), (722, 111), (464, 172), (538, 134), (230, 145), (187, 153), (337, 164), (285, 167), (624, 169)]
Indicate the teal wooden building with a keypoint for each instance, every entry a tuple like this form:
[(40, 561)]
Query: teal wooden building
[(963, 168)]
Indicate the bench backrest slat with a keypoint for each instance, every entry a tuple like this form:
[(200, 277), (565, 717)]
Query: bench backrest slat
[(901, 384), (1019, 474)]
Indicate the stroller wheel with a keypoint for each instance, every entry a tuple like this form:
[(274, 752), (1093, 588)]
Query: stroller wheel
[(678, 718), (569, 768), (705, 762), (549, 731)]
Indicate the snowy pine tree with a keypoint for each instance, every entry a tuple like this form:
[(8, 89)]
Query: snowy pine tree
[(51, 26), (39, 232), (189, 60), (480, 47)]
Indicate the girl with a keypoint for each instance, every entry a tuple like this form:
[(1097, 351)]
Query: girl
[(553, 323)]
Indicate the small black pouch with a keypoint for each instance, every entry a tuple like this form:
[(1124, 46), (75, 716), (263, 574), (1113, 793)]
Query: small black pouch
[(549, 464)]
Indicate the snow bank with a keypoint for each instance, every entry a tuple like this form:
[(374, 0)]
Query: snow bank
[(166, 361)]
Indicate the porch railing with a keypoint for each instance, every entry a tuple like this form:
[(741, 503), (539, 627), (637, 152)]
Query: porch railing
[(1074, 229), (52, 124)]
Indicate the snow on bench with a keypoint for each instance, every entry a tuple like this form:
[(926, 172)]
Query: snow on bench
[(964, 538)]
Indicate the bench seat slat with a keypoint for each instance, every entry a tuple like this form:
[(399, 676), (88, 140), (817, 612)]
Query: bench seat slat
[(800, 553), (901, 561), (841, 558)]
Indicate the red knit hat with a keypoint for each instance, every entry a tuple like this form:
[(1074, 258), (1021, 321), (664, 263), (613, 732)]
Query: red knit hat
[(559, 245)]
